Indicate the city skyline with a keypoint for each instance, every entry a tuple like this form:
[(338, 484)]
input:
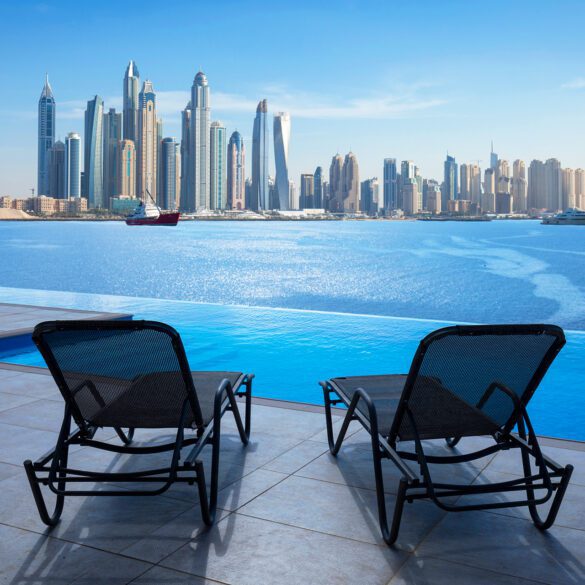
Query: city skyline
[(389, 112)]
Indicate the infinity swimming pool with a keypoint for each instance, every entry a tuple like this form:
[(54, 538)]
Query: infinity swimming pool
[(291, 350)]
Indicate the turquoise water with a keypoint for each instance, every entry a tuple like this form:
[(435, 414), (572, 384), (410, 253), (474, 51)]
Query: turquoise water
[(299, 302)]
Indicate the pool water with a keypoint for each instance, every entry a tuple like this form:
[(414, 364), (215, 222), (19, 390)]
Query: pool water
[(291, 350)]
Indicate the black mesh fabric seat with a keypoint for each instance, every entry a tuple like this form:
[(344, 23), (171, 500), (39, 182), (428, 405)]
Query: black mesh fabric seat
[(464, 381), (133, 375)]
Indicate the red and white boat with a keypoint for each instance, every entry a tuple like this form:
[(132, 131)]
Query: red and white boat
[(151, 214)]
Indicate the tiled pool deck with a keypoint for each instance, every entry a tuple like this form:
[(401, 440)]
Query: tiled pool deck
[(289, 513)]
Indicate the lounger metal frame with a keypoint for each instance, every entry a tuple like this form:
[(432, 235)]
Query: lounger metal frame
[(549, 476)]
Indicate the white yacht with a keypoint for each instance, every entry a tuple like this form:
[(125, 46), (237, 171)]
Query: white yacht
[(571, 216)]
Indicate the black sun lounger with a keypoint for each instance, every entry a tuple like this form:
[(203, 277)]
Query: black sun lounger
[(128, 375), (464, 381)]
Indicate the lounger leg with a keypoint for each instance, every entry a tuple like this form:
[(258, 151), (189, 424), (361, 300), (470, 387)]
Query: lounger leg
[(126, 438), (248, 413)]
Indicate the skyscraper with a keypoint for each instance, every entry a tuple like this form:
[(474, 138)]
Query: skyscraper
[(579, 188), (390, 185), (187, 192), (147, 147), (93, 167), (57, 170), (159, 139), (112, 136), (465, 181), (170, 173), (493, 157), (281, 142), (72, 165), (537, 185), (319, 197), (350, 179), (336, 184), (433, 197), (198, 194), (46, 136), (369, 196), (260, 194), (217, 174), (127, 169), (450, 182), (236, 173), (130, 102), (475, 183), (554, 184), (519, 186), (410, 196), (568, 196), (488, 198), (307, 191)]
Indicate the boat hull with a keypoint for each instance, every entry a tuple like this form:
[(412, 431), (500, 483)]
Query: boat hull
[(168, 219)]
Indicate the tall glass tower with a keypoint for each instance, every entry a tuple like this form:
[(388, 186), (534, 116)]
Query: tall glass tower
[(198, 188), (46, 136), (93, 169), (72, 165), (112, 135), (147, 151), (260, 188), (450, 182), (390, 188), (281, 142), (319, 199), (217, 183), (236, 172), (170, 173), (130, 102)]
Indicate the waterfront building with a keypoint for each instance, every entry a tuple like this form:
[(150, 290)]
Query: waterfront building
[(272, 195), (130, 102), (93, 153), (46, 136), (198, 192), (72, 165), (475, 184), (502, 176), (292, 196), (537, 198), (159, 139), (407, 172), (579, 188), (217, 183), (123, 205), (281, 144), (519, 186), (488, 198), (350, 180), (260, 192), (335, 183), (390, 185), (147, 147), (319, 196), (465, 181), (369, 196), (433, 197), (493, 158), (554, 184), (248, 191), (236, 172), (126, 170), (170, 168), (57, 170), (450, 190), (306, 200), (112, 129), (410, 196), (187, 193), (568, 189)]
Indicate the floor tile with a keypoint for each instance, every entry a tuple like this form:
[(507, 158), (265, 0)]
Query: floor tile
[(8, 401), (35, 385), (297, 457), (161, 576)]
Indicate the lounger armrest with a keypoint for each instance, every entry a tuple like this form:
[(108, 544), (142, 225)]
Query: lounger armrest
[(496, 385)]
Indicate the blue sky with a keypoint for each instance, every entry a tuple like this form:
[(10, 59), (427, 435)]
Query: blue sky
[(400, 79)]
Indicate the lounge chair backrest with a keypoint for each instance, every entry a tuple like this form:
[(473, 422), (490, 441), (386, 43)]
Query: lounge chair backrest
[(120, 373), (470, 380)]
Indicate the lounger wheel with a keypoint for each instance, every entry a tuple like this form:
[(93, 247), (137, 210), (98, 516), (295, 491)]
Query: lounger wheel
[(49, 519)]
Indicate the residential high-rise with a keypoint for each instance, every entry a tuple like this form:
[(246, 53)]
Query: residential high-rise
[(475, 183), (336, 183), (350, 180), (306, 200), (260, 194), (248, 191), (72, 165), (410, 196), (465, 181), (217, 143), (568, 186), (390, 185), (537, 198), (236, 172), (369, 196), (147, 147), (127, 169), (579, 188), (488, 198), (170, 168), (293, 202), (57, 170), (187, 192), (198, 192), (93, 187), (46, 136), (432, 198), (493, 157), (112, 129), (554, 184), (519, 186), (281, 142), (450, 182), (159, 139), (319, 196), (130, 102)]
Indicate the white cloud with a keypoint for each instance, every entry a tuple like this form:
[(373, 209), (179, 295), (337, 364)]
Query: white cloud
[(577, 83)]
